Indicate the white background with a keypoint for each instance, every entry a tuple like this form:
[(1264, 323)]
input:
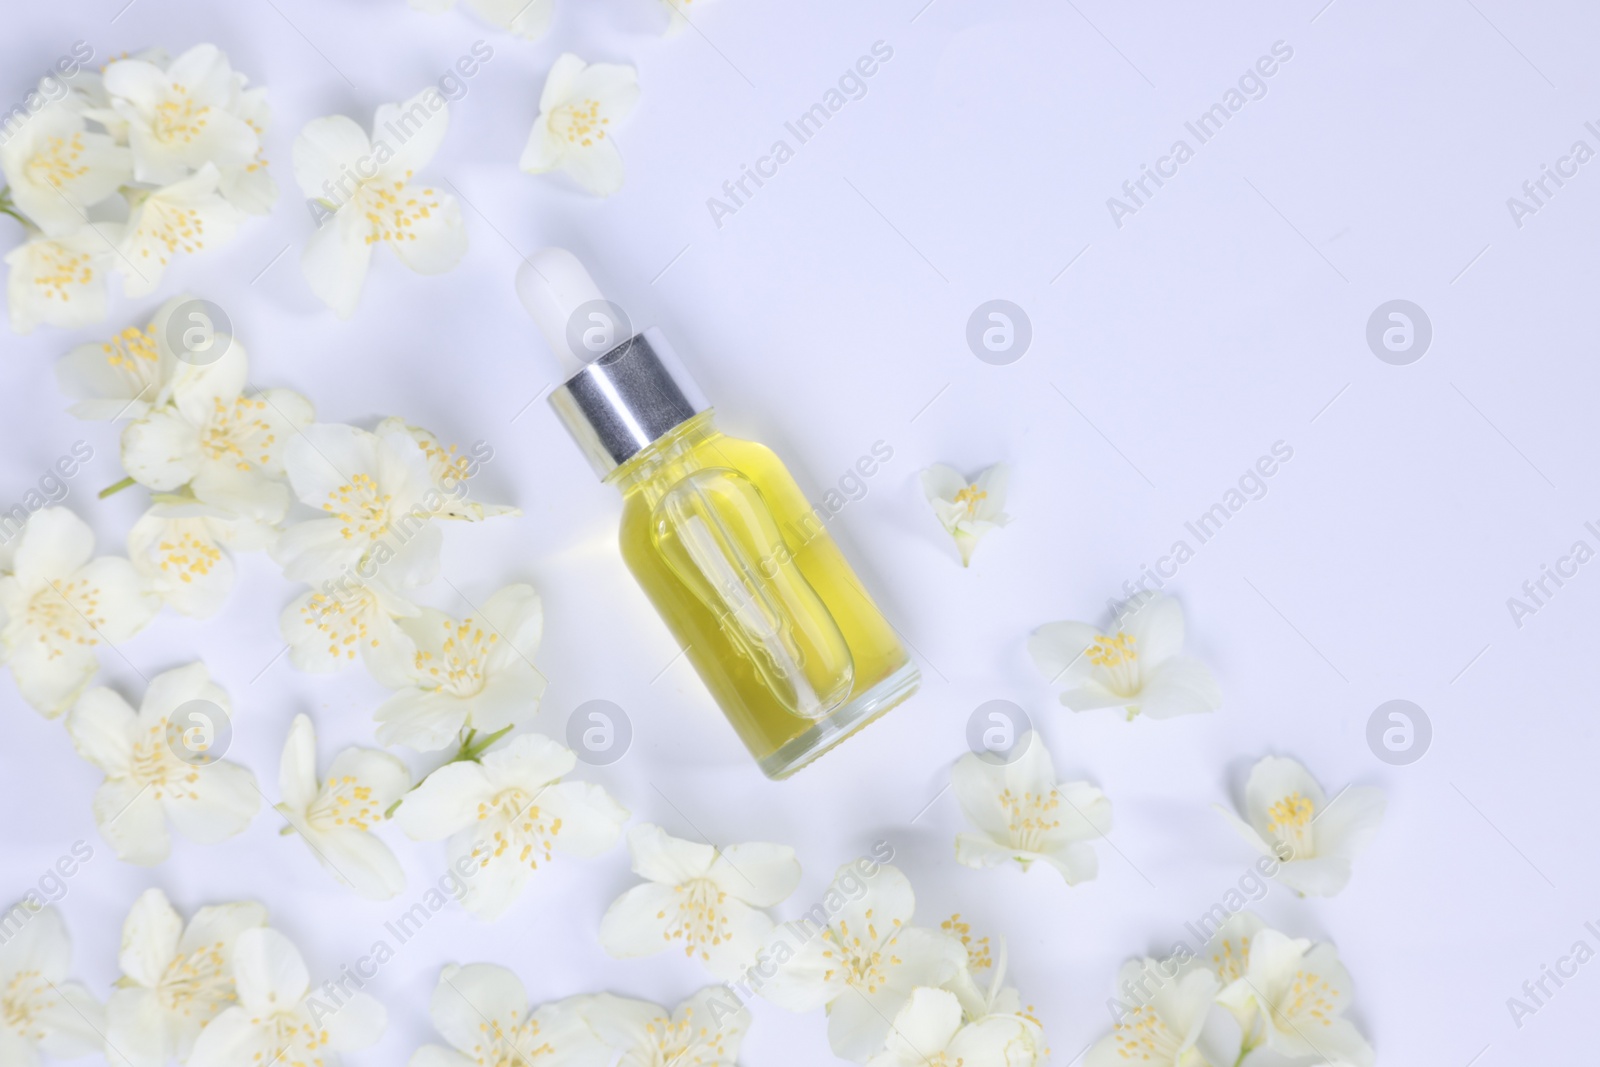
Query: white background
[(830, 313)]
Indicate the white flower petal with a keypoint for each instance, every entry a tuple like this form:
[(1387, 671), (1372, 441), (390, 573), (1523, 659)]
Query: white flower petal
[(597, 168), (221, 924), (434, 238), (660, 857), (325, 152), (173, 688), (467, 996), (132, 821), (591, 819), (942, 483), (446, 801), (1347, 823), (980, 850), (640, 921), (336, 259), (529, 759), (41, 945), (161, 451), (73, 1021), (528, 19), (232, 1038), (100, 725), (1319, 876), (858, 1022), (297, 770), (223, 798), (137, 1028), (1059, 651), (358, 1023), (1155, 622), (149, 938), (746, 930), (425, 721), (61, 281), (54, 543), (1246, 831), (1181, 685), (422, 121), (383, 775), (924, 1027), (1077, 862), (558, 83), (109, 593), (316, 550), (499, 879), (757, 873), (1084, 814), (269, 972)]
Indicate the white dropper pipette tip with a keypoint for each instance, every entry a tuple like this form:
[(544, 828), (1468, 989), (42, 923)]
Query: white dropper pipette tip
[(552, 285)]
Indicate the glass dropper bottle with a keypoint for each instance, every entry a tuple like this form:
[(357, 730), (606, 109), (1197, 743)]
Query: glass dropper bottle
[(736, 560)]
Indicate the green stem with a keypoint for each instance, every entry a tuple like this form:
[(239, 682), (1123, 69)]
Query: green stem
[(1246, 1046), (475, 750), (8, 208), (117, 488)]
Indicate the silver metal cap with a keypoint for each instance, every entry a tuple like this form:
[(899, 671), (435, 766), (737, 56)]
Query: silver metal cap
[(626, 400)]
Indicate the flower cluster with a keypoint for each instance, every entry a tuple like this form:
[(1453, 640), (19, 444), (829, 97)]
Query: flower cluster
[(205, 443), (227, 468), (209, 447), (362, 191), (178, 141), (222, 988), (1252, 988), (380, 498), (60, 604), (226, 464), (894, 992), (482, 1011)]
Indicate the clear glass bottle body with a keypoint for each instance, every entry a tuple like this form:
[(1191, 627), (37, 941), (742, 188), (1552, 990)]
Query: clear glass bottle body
[(770, 613)]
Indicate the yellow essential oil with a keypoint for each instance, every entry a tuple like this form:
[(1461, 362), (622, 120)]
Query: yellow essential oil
[(725, 545), (770, 614)]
